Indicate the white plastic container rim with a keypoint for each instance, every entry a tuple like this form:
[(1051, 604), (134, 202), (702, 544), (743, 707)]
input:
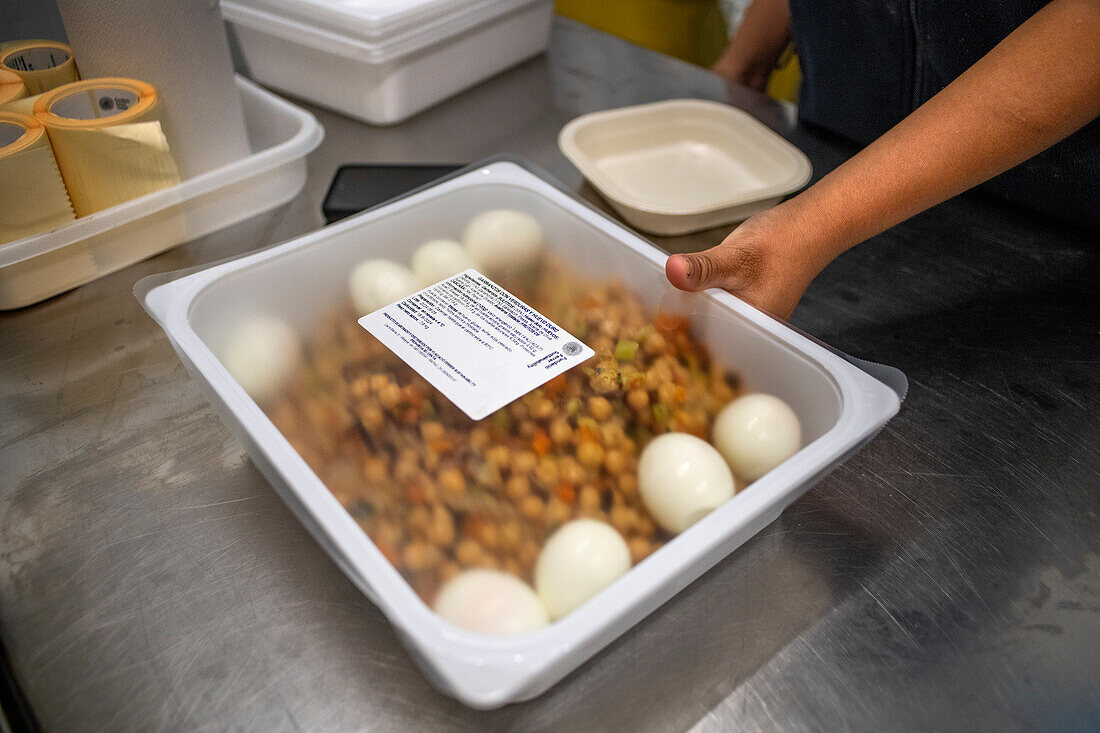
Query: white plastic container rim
[(369, 19), (485, 671), (788, 157), (372, 32), (307, 138)]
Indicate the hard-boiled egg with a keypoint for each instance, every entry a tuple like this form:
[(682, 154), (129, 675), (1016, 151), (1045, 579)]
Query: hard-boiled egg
[(577, 562), (438, 260), (503, 241), (375, 284), (491, 602), (261, 353), (756, 433), (682, 479)]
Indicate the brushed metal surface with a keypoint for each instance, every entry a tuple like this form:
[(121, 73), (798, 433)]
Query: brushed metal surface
[(947, 577)]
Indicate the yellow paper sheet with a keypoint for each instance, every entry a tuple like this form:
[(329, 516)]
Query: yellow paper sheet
[(108, 141), (33, 197)]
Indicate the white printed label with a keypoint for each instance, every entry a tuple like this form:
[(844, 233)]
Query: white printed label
[(475, 342), (36, 59), (94, 104)]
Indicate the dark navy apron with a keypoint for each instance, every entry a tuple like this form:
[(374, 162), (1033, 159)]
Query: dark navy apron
[(866, 64)]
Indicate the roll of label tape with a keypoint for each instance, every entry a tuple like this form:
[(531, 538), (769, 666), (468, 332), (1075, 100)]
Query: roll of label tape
[(23, 106), (33, 197), (42, 65), (107, 138), (11, 87)]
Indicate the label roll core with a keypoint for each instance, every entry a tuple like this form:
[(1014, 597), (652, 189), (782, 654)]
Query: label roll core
[(108, 141), (11, 87), (42, 65), (33, 197)]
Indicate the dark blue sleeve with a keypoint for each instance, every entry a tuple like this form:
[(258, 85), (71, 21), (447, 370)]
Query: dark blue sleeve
[(868, 63)]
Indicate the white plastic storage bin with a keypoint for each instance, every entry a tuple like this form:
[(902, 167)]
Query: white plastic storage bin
[(382, 61), (281, 135), (840, 408)]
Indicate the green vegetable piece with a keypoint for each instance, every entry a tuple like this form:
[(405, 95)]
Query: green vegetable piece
[(626, 350), (502, 421)]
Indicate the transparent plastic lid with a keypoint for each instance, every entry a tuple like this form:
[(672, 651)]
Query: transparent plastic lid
[(505, 523)]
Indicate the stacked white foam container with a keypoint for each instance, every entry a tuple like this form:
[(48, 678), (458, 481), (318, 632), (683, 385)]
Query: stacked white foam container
[(382, 61)]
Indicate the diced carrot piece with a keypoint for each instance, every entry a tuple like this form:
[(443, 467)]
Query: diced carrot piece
[(540, 442), (555, 387), (471, 526), (390, 552), (668, 323), (442, 445)]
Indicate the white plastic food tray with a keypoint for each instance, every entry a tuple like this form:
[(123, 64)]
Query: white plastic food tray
[(382, 62), (281, 135), (683, 165), (840, 407)]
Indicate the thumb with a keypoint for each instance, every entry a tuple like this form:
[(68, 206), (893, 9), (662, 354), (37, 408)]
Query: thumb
[(728, 265)]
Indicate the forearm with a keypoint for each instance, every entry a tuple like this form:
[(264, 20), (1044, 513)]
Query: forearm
[(1016, 101), (1019, 99)]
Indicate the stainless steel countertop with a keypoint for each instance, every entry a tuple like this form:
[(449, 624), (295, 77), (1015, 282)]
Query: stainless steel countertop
[(947, 577)]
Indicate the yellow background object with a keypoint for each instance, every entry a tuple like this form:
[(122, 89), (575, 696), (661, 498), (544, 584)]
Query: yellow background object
[(692, 30), (42, 65), (107, 137), (786, 80), (32, 197), (11, 87)]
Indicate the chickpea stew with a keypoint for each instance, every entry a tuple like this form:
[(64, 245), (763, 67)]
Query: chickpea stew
[(439, 493)]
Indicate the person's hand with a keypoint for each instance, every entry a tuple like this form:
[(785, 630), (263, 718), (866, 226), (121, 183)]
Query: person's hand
[(756, 46), (751, 73), (762, 262)]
